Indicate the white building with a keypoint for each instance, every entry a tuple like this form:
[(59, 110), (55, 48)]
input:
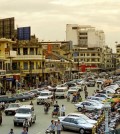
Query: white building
[(85, 36)]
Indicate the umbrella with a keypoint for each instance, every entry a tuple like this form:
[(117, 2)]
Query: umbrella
[(114, 100)]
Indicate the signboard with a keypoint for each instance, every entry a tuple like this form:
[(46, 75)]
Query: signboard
[(23, 33), (7, 28)]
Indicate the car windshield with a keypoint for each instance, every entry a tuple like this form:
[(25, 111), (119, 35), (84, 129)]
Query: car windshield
[(24, 111), (60, 90), (84, 117), (81, 121), (13, 105), (43, 94), (73, 88)]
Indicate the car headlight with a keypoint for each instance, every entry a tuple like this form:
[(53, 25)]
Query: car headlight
[(15, 118)]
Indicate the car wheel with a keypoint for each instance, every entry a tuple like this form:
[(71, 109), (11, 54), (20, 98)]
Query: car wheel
[(63, 128), (30, 123), (6, 113), (82, 131), (15, 124), (79, 109)]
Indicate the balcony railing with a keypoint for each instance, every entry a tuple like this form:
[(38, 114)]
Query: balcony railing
[(29, 57)]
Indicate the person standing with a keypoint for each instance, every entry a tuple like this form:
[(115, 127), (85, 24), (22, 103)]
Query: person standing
[(59, 126), (24, 131), (52, 127), (11, 131), (62, 110)]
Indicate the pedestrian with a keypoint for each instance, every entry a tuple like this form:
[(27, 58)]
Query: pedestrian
[(26, 124), (52, 127), (11, 131), (62, 110), (24, 131), (59, 126), (86, 94)]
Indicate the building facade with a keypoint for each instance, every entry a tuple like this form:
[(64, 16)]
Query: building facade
[(85, 35)]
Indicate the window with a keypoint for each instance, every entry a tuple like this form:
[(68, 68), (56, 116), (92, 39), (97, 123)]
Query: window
[(18, 51), (31, 51), (25, 51), (25, 65), (92, 54), (14, 66), (74, 28), (82, 33), (67, 119)]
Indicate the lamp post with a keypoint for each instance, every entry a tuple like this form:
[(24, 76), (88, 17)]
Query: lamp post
[(107, 108)]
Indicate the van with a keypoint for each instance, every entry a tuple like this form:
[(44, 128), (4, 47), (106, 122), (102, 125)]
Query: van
[(61, 92)]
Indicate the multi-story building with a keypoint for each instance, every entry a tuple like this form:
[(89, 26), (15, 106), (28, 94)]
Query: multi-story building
[(6, 56), (118, 55), (85, 35), (108, 58), (91, 58)]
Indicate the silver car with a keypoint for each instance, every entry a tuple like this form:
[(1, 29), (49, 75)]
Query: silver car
[(76, 124)]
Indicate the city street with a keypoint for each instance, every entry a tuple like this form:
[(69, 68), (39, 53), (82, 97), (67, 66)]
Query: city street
[(43, 120)]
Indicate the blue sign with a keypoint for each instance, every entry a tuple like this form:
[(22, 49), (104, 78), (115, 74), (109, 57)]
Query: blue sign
[(23, 33)]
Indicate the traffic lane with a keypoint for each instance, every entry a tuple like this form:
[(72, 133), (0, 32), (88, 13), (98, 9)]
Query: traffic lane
[(43, 120)]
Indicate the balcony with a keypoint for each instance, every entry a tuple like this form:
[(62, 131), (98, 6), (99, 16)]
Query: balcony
[(28, 57), (2, 57)]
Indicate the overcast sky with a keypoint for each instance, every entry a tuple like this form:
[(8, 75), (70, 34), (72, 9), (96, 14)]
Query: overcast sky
[(48, 18)]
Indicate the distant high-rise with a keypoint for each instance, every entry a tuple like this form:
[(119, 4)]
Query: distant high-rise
[(85, 35)]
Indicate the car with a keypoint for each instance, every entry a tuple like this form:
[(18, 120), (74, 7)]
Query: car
[(21, 97), (87, 105), (78, 115), (99, 81), (45, 96), (102, 95), (36, 92), (24, 112), (7, 99), (91, 83), (62, 85), (100, 99), (11, 109), (73, 89), (28, 94), (76, 124), (60, 92)]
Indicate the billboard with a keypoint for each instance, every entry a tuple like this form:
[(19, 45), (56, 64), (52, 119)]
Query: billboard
[(7, 27), (23, 33)]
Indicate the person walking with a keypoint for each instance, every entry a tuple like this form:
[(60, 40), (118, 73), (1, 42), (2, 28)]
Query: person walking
[(26, 124), (62, 110), (59, 127), (52, 127), (11, 131), (24, 131)]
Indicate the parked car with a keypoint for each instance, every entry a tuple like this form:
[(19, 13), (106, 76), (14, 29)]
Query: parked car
[(6, 99), (23, 112), (91, 83), (102, 95), (87, 105), (11, 109), (100, 99), (76, 124), (78, 115), (21, 97)]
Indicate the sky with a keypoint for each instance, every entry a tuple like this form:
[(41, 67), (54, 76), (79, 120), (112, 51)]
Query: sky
[(48, 18)]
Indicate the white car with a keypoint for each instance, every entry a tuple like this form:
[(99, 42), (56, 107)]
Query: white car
[(45, 96), (24, 112), (100, 99), (99, 81), (12, 108), (64, 86), (60, 92), (102, 95), (78, 115), (88, 106), (73, 89)]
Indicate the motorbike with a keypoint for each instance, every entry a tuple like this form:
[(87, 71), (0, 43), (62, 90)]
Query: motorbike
[(46, 109)]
